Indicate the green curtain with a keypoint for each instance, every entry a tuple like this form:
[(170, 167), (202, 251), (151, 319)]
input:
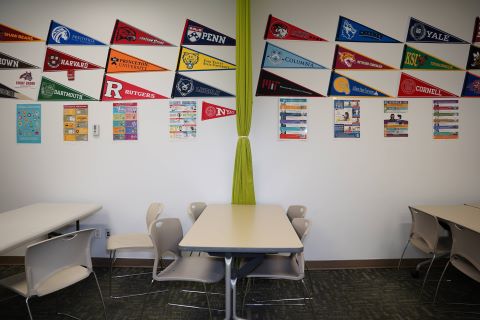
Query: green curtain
[(243, 189)]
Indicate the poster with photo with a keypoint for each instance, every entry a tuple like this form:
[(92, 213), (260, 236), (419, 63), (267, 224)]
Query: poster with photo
[(29, 123), (445, 119), (292, 119), (125, 121), (347, 119), (183, 119), (395, 123), (75, 123)]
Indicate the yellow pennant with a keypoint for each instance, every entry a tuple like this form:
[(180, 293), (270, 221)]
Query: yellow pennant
[(191, 60)]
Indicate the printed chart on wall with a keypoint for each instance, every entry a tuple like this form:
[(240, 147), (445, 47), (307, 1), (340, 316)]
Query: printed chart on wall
[(29, 123), (347, 119), (395, 123), (292, 119), (75, 123), (125, 121), (445, 119), (183, 120)]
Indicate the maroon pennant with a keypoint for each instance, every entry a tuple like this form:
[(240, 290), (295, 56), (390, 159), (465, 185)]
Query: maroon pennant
[(60, 61)]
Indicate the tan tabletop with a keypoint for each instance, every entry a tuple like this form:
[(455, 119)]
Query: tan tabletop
[(22, 225), (242, 228), (463, 215), (473, 204)]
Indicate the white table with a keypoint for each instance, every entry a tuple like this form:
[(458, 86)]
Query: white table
[(464, 215), (22, 225), (231, 230), (473, 204)]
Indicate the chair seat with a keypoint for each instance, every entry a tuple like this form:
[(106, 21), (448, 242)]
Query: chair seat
[(129, 241), (443, 246), (277, 267), (466, 267), (198, 269)]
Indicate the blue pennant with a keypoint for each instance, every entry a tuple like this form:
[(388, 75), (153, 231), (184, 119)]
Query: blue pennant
[(185, 87), (341, 85), (351, 31), (419, 31), (471, 85), (197, 34), (276, 57), (59, 34)]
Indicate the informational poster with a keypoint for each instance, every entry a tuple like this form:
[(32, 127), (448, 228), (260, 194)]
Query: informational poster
[(183, 119), (347, 119), (75, 122), (125, 121), (445, 119), (29, 123), (292, 119), (395, 123)]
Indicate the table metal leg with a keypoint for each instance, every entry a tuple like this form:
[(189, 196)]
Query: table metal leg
[(228, 288)]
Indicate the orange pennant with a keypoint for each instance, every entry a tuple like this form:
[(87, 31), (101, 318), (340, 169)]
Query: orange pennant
[(121, 62)]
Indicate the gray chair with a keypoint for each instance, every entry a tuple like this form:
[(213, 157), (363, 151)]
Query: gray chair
[(296, 211), (132, 241), (54, 264), (426, 236), (166, 234)]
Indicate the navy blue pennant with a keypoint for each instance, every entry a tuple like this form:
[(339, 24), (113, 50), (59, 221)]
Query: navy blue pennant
[(185, 87), (419, 31), (196, 34)]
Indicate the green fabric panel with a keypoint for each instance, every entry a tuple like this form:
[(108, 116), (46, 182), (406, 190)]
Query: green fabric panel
[(243, 190)]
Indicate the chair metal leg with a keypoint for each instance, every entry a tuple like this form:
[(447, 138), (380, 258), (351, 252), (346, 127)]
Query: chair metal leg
[(426, 275), (101, 295), (440, 281), (28, 308), (247, 288), (145, 299), (403, 253), (309, 300), (112, 259), (208, 301)]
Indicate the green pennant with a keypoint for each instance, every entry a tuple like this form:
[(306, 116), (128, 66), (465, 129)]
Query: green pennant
[(51, 90), (415, 59)]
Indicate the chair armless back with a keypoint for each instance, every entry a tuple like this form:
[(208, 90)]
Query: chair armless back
[(426, 228), (166, 234), (302, 228), (195, 209), (154, 211), (465, 254), (296, 211)]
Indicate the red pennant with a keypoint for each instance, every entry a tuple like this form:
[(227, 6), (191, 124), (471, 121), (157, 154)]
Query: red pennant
[(348, 59), (115, 89), (281, 30), (124, 33), (476, 31), (60, 61), (212, 111), (411, 87), (8, 34)]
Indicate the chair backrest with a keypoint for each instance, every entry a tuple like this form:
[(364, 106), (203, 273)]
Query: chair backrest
[(195, 209), (426, 228), (465, 251), (296, 211), (166, 234), (154, 211), (47, 257), (302, 228)]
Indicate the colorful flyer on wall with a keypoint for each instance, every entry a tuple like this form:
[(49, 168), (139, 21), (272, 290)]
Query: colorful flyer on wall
[(183, 119), (292, 119), (29, 123), (445, 119), (395, 123), (125, 121), (75, 122), (347, 119)]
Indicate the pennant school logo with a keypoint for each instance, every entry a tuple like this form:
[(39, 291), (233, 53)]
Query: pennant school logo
[(411, 87), (6, 92), (59, 34), (9, 34), (348, 59), (196, 34), (25, 80), (8, 62), (115, 89), (415, 59), (280, 30), (473, 61), (351, 31), (121, 62), (276, 57), (341, 85), (270, 84), (184, 87), (51, 91), (59, 61), (124, 33), (471, 85), (192, 60), (212, 111), (419, 31)]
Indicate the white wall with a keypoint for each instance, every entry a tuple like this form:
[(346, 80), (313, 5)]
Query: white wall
[(357, 190)]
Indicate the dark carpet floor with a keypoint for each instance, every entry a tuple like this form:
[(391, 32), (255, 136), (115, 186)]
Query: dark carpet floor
[(337, 294)]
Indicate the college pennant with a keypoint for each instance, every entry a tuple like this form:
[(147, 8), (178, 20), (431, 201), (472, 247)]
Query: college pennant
[(276, 57), (415, 59), (351, 31), (270, 84), (419, 31), (9, 34), (185, 87), (212, 111), (471, 85), (476, 31), (473, 61), (59, 34), (411, 87), (59, 61), (348, 59), (192, 60), (8, 62), (115, 89), (196, 34), (54, 91), (121, 62), (6, 92), (124, 33), (280, 30), (341, 86)]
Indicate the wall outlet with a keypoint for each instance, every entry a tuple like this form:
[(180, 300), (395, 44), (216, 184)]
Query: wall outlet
[(97, 234), (107, 233)]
